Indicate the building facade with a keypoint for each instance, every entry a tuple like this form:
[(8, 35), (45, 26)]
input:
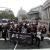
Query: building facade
[(36, 12), (42, 11), (21, 14), (46, 9), (32, 15)]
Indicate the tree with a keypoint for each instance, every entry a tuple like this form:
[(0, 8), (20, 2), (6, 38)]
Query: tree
[(38, 18), (24, 17), (16, 19), (7, 14)]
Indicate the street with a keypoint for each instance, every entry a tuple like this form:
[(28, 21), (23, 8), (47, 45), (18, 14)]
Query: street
[(6, 45)]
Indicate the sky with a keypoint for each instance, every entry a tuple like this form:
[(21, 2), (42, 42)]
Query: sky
[(15, 5)]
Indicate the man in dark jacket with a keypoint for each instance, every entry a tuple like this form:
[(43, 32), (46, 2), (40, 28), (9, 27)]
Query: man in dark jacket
[(4, 33)]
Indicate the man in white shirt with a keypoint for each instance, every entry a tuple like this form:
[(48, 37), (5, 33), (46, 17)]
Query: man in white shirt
[(38, 38), (39, 35)]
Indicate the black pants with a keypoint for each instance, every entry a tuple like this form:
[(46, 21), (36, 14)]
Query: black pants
[(32, 39), (42, 38), (37, 42), (4, 36), (13, 40), (33, 36)]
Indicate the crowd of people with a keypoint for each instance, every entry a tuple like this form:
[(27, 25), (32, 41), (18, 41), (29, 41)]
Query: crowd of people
[(23, 28)]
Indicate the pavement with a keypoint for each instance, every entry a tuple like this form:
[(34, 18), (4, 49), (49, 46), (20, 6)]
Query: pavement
[(6, 45)]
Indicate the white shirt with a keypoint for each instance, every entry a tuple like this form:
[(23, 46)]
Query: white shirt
[(24, 30), (38, 35)]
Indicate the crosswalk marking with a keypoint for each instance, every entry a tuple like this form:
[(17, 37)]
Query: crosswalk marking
[(47, 38), (8, 38), (15, 47), (4, 39)]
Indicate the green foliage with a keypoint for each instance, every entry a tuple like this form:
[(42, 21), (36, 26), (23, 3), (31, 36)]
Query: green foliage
[(16, 18), (6, 14), (38, 18), (24, 17)]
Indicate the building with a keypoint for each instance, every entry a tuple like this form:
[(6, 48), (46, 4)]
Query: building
[(21, 13), (46, 9), (35, 12), (42, 11)]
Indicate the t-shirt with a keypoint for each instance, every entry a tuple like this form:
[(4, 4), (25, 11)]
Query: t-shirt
[(39, 35), (24, 30)]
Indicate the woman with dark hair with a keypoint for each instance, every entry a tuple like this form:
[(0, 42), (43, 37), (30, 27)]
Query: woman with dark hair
[(44, 30)]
